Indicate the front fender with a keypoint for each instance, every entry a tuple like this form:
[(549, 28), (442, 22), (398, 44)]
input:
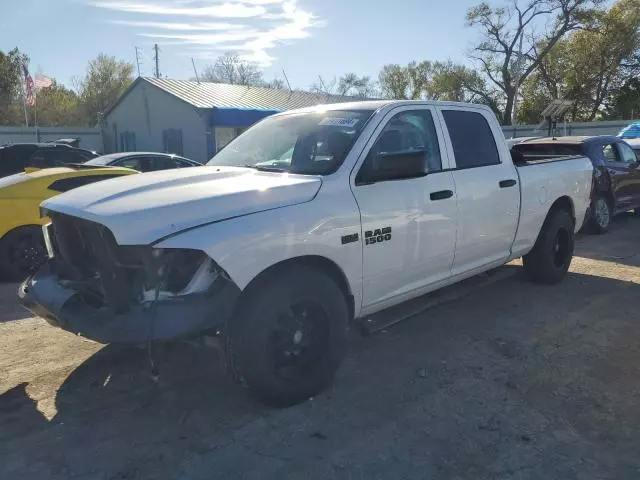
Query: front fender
[(246, 246)]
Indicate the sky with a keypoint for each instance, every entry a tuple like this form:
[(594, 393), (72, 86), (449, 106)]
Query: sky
[(305, 38)]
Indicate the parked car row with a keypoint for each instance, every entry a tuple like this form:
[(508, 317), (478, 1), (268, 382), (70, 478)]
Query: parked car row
[(36, 172)]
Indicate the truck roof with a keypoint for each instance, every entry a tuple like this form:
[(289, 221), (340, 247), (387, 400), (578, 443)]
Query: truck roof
[(378, 104)]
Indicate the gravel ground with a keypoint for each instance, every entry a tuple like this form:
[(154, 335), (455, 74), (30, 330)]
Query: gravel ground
[(514, 381)]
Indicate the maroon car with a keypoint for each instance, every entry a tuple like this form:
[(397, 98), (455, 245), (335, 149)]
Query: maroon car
[(616, 172)]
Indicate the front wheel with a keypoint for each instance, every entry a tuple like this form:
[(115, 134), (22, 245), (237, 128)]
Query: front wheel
[(289, 336), (21, 251), (550, 258), (601, 215)]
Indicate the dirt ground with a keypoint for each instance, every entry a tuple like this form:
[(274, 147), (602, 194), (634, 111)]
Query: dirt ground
[(514, 381)]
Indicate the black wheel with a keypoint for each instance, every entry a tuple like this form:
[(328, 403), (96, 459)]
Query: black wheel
[(601, 215), (21, 251), (551, 256), (289, 336)]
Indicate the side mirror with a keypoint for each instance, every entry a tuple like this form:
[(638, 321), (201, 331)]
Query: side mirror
[(395, 166)]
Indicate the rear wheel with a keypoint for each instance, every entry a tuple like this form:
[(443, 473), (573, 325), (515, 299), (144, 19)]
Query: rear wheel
[(601, 215), (21, 251), (550, 258), (289, 337)]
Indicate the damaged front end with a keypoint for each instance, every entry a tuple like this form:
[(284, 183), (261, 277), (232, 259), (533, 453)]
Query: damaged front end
[(120, 293)]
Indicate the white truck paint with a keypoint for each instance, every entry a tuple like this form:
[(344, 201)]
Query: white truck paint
[(430, 229)]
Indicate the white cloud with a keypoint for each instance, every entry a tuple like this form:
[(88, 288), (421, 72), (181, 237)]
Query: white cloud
[(180, 26), (263, 24), (222, 10)]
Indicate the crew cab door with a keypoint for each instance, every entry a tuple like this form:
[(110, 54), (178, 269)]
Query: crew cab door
[(487, 189), (407, 203)]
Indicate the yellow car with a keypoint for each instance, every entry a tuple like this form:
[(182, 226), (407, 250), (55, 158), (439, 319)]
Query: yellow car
[(21, 240)]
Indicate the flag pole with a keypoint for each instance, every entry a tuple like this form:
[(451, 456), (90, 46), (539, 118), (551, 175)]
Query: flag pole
[(25, 93), (24, 104), (35, 112)]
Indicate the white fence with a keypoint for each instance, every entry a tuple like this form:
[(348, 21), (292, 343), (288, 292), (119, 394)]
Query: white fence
[(90, 138), (587, 129)]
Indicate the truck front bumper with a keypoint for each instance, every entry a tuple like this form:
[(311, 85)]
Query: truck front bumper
[(62, 305)]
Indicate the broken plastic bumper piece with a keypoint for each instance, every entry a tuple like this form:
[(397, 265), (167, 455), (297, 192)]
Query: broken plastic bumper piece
[(63, 306), (109, 293)]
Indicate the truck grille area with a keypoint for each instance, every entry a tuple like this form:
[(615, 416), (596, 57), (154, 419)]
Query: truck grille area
[(86, 254), (87, 257)]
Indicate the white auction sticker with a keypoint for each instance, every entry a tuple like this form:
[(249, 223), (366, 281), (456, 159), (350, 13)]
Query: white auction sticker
[(339, 122)]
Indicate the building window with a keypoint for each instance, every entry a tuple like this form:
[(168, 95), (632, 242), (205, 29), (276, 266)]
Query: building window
[(128, 142), (172, 141)]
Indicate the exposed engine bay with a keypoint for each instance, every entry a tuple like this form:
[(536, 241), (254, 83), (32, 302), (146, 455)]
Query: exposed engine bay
[(125, 293)]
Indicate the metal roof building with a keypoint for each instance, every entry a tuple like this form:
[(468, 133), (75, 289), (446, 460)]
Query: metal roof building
[(194, 119)]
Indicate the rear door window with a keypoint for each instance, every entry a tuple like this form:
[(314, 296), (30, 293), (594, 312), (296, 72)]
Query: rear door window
[(161, 163), (610, 153), (132, 162), (472, 139), (627, 155), (55, 157), (14, 159)]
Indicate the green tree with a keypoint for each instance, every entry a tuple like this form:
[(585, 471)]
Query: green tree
[(58, 106), (515, 40), (11, 112), (625, 104), (434, 81), (107, 78), (405, 83), (594, 67)]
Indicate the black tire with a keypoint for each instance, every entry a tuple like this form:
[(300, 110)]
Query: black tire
[(260, 339), (21, 251), (601, 215), (549, 260)]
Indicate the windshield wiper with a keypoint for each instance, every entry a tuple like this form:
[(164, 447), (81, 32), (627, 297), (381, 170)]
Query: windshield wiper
[(262, 168)]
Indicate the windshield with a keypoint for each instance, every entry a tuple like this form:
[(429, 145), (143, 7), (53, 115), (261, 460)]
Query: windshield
[(313, 143)]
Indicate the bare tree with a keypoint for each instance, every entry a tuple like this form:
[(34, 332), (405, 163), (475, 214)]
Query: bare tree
[(514, 44), (326, 87), (353, 85), (231, 68), (349, 84)]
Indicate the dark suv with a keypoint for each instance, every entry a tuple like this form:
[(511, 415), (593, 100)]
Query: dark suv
[(616, 173), (15, 157)]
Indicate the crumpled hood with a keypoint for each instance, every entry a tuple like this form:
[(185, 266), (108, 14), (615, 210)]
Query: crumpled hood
[(140, 209)]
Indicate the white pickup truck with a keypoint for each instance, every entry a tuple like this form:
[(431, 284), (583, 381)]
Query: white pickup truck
[(306, 222)]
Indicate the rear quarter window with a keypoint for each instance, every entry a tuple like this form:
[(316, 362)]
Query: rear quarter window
[(545, 149), (472, 139)]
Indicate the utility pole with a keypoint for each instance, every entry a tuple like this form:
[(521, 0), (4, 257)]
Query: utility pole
[(324, 87), (155, 57), (286, 80), (138, 60), (194, 70)]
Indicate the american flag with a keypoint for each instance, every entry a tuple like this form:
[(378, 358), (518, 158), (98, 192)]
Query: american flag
[(28, 84), (42, 82)]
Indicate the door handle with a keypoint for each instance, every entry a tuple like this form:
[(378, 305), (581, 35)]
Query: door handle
[(441, 195), (507, 183)]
